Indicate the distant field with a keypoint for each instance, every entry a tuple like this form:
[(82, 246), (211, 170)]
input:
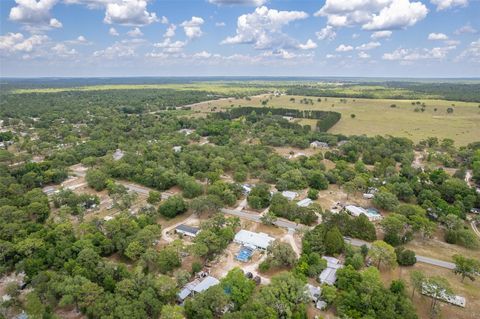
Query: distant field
[(377, 117), (220, 88)]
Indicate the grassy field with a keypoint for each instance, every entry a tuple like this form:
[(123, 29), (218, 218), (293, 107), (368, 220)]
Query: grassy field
[(377, 117), (216, 87), (468, 289)]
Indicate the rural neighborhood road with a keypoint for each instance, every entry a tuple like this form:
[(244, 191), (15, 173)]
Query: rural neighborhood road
[(422, 259)]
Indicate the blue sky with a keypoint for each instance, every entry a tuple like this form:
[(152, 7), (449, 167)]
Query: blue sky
[(392, 38)]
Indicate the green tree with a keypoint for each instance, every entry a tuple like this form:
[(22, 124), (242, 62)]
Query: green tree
[(281, 254), (96, 179), (466, 267), (173, 206), (382, 254), (171, 312), (154, 197), (385, 200), (238, 287), (334, 242), (417, 278), (259, 196)]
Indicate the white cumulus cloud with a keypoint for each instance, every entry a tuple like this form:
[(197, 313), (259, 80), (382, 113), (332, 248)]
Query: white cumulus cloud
[(368, 46), (129, 12), (381, 34), (401, 54), (363, 55), (437, 36), (263, 27), (113, 31), (255, 3), (192, 27), (373, 14), (16, 42), (309, 45), (446, 4), (169, 46), (35, 14), (135, 33), (344, 48), (327, 33), (170, 32)]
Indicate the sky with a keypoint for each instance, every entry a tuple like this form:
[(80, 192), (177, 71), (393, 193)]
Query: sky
[(368, 38)]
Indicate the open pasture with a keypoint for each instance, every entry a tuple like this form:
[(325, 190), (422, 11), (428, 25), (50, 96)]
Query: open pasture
[(379, 117)]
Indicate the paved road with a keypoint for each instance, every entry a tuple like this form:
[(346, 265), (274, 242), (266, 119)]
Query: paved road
[(422, 259), (256, 218)]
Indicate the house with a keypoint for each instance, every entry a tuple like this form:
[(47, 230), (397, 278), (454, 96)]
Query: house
[(329, 275), (368, 196), (305, 202), (355, 210), (177, 149), (318, 144), (247, 188), (289, 195), (253, 240), (187, 230), (196, 286), (315, 294), (118, 155), (186, 131)]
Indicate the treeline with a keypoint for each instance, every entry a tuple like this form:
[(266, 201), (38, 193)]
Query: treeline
[(468, 92), (326, 119)]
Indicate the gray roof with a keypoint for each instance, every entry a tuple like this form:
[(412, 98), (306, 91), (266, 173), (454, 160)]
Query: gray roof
[(206, 283), (187, 229)]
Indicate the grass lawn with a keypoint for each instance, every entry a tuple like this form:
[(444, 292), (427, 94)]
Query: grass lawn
[(377, 117)]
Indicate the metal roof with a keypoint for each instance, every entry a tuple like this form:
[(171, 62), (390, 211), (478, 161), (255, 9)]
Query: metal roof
[(206, 283), (257, 240), (188, 229)]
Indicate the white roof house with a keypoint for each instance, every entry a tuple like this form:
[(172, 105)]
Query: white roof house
[(305, 202), (318, 144), (430, 290), (118, 155), (247, 188), (186, 131), (355, 210), (329, 275), (368, 196), (289, 195), (253, 240), (177, 149)]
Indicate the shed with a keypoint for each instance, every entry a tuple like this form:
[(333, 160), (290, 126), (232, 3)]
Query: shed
[(118, 155), (187, 230), (355, 210), (318, 144), (289, 195), (177, 149), (305, 202), (253, 240)]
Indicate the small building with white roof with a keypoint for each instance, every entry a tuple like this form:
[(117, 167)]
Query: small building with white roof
[(118, 155), (289, 195), (318, 144), (253, 240), (305, 202)]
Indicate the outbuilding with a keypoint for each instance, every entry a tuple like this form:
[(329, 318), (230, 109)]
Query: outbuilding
[(305, 202), (329, 275), (289, 195)]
